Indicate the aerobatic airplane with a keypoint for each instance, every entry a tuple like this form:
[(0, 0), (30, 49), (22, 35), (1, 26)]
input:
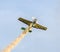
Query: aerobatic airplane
[(34, 22)]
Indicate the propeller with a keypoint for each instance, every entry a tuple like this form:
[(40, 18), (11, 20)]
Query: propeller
[(34, 18)]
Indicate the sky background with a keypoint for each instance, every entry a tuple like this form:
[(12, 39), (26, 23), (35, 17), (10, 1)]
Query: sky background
[(48, 14)]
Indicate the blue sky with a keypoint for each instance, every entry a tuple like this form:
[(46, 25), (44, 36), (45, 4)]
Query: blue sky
[(48, 14)]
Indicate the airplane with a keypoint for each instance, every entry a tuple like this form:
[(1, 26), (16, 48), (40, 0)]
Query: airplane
[(35, 24)]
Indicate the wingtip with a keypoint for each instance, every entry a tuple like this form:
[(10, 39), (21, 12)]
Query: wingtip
[(45, 28), (19, 18)]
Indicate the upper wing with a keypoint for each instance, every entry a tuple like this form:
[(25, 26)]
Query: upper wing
[(25, 21), (40, 27)]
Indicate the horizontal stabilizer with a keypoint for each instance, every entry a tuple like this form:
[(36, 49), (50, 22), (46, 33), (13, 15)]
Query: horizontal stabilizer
[(23, 28), (30, 31)]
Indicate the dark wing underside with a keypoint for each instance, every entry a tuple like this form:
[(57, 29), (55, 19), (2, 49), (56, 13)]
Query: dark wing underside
[(25, 21), (29, 22), (40, 27)]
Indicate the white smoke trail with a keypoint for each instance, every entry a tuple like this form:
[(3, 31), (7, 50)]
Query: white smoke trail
[(18, 39)]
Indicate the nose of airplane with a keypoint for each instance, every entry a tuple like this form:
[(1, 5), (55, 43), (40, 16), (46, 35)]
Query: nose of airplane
[(33, 18)]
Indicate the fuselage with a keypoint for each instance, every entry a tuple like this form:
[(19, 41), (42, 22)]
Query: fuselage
[(34, 22)]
